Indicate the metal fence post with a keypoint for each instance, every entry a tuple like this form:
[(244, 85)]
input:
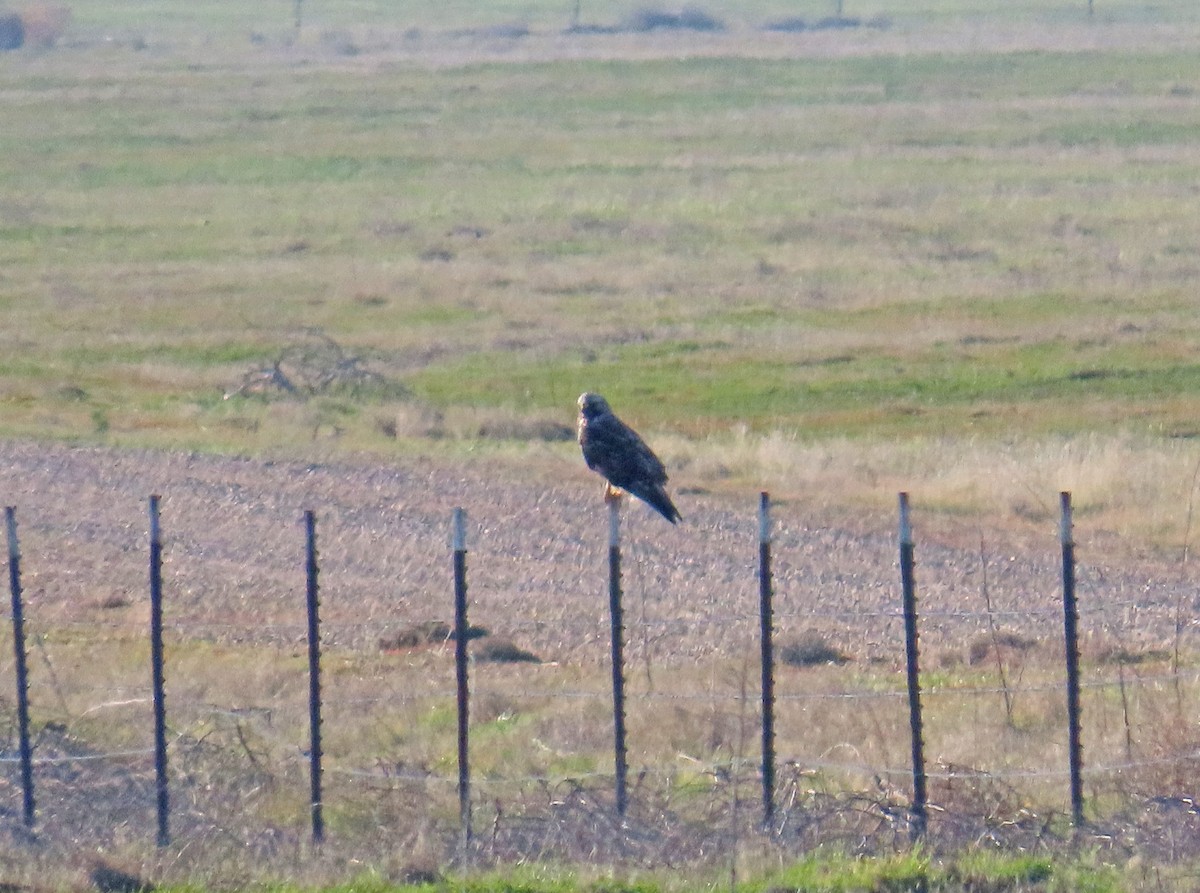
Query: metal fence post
[(18, 621), (461, 635), (913, 663), (618, 651), (156, 665), (766, 628), (314, 674), (1071, 637)]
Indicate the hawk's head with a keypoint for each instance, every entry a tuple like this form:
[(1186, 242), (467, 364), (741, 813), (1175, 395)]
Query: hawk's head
[(592, 405)]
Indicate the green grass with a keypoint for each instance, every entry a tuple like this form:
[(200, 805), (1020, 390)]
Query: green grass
[(824, 872), (879, 393), (753, 221)]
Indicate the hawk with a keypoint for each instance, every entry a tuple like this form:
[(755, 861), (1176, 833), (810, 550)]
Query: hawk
[(613, 449)]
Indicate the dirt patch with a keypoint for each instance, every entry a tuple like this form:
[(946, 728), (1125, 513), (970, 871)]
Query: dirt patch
[(537, 541)]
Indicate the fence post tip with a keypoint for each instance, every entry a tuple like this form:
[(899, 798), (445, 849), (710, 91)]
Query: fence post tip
[(458, 528)]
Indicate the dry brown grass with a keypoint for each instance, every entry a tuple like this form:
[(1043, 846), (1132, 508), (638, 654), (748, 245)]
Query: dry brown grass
[(1140, 489)]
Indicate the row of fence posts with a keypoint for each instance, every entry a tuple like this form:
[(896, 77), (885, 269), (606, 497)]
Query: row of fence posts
[(918, 809)]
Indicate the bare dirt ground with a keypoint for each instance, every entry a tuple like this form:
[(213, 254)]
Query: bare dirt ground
[(234, 576)]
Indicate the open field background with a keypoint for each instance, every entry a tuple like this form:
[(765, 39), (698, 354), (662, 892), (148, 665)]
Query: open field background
[(951, 250), (966, 244)]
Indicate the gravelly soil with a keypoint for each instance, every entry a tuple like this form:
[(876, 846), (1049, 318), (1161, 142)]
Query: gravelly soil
[(233, 551)]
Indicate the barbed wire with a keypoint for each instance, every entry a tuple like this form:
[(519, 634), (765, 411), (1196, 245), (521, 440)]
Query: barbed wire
[(633, 694), (728, 768), (186, 625), (299, 756), (83, 757)]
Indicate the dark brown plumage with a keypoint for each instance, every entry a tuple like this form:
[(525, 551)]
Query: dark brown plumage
[(615, 450)]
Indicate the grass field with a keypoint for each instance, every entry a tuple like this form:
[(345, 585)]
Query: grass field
[(952, 250), (851, 238)]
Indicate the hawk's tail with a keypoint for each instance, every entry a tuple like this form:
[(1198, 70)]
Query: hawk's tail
[(656, 497)]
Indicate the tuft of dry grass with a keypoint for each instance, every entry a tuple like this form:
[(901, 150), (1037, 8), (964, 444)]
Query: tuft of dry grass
[(985, 645), (1139, 488)]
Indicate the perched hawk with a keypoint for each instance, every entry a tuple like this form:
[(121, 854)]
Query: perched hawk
[(613, 449)]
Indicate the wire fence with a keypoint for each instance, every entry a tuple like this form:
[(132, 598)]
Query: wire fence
[(644, 685)]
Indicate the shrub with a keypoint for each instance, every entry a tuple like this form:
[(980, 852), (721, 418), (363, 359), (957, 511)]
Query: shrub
[(689, 19), (789, 25), (836, 23), (695, 19), (584, 28), (505, 31)]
